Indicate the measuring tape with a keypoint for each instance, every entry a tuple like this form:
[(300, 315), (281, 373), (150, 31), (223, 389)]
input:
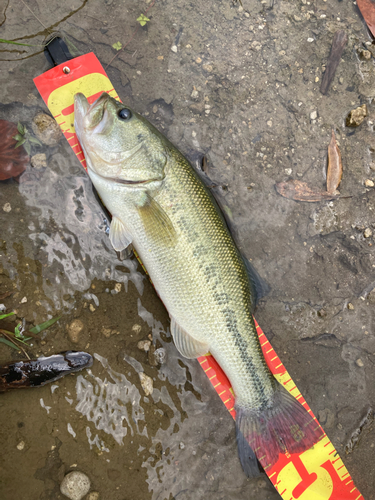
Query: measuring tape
[(315, 474)]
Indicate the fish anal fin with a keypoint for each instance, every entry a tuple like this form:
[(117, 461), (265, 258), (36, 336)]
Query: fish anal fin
[(186, 344), (118, 235), (156, 222), (282, 426)]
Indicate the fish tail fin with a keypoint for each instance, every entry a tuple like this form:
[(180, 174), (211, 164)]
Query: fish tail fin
[(282, 425)]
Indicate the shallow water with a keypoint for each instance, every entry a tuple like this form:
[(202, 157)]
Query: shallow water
[(240, 89)]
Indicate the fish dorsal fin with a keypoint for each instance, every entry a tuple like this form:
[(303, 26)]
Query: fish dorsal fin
[(118, 235), (186, 344), (157, 224), (259, 287)]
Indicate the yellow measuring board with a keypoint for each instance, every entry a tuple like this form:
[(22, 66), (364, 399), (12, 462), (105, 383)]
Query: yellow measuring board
[(316, 474)]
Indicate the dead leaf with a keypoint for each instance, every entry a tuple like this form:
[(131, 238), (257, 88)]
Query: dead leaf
[(5, 295), (300, 191), (367, 8), (13, 161), (334, 170), (338, 44)]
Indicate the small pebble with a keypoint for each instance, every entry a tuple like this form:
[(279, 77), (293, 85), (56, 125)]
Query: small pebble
[(7, 207), (107, 332), (367, 233), (93, 495), (356, 116), (313, 115), (146, 383), (75, 485), (207, 67), (160, 356), (39, 161), (136, 328), (92, 308), (195, 94), (118, 287), (24, 300), (21, 445), (365, 54), (46, 129), (182, 446), (155, 109), (74, 329), (310, 40), (360, 363), (350, 306), (174, 48), (369, 183), (144, 345), (288, 171)]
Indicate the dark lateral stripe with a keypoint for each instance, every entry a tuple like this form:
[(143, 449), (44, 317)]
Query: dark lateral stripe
[(243, 351)]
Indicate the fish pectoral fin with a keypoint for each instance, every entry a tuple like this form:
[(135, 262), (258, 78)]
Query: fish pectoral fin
[(186, 344), (156, 222), (118, 235)]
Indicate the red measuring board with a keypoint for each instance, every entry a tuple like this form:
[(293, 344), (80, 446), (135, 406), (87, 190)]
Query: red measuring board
[(316, 474)]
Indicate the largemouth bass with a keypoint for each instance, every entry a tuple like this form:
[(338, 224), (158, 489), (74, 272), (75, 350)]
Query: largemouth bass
[(160, 206)]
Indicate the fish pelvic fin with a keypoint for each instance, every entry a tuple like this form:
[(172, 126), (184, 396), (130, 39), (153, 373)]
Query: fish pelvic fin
[(118, 235), (283, 425), (186, 344)]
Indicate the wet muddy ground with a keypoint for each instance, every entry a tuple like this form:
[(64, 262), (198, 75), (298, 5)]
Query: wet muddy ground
[(239, 84)]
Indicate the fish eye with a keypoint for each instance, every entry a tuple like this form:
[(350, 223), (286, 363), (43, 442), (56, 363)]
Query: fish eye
[(125, 114)]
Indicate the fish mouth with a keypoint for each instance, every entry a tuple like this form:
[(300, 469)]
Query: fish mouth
[(127, 182), (97, 118), (91, 116), (103, 97)]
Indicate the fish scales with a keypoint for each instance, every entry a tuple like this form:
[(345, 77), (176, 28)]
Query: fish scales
[(211, 298), (160, 206)]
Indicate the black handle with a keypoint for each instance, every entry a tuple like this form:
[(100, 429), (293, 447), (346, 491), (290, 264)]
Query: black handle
[(57, 52)]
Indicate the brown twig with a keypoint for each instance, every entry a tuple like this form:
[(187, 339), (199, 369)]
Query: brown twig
[(13, 340), (131, 38), (339, 42), (27, 333)]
